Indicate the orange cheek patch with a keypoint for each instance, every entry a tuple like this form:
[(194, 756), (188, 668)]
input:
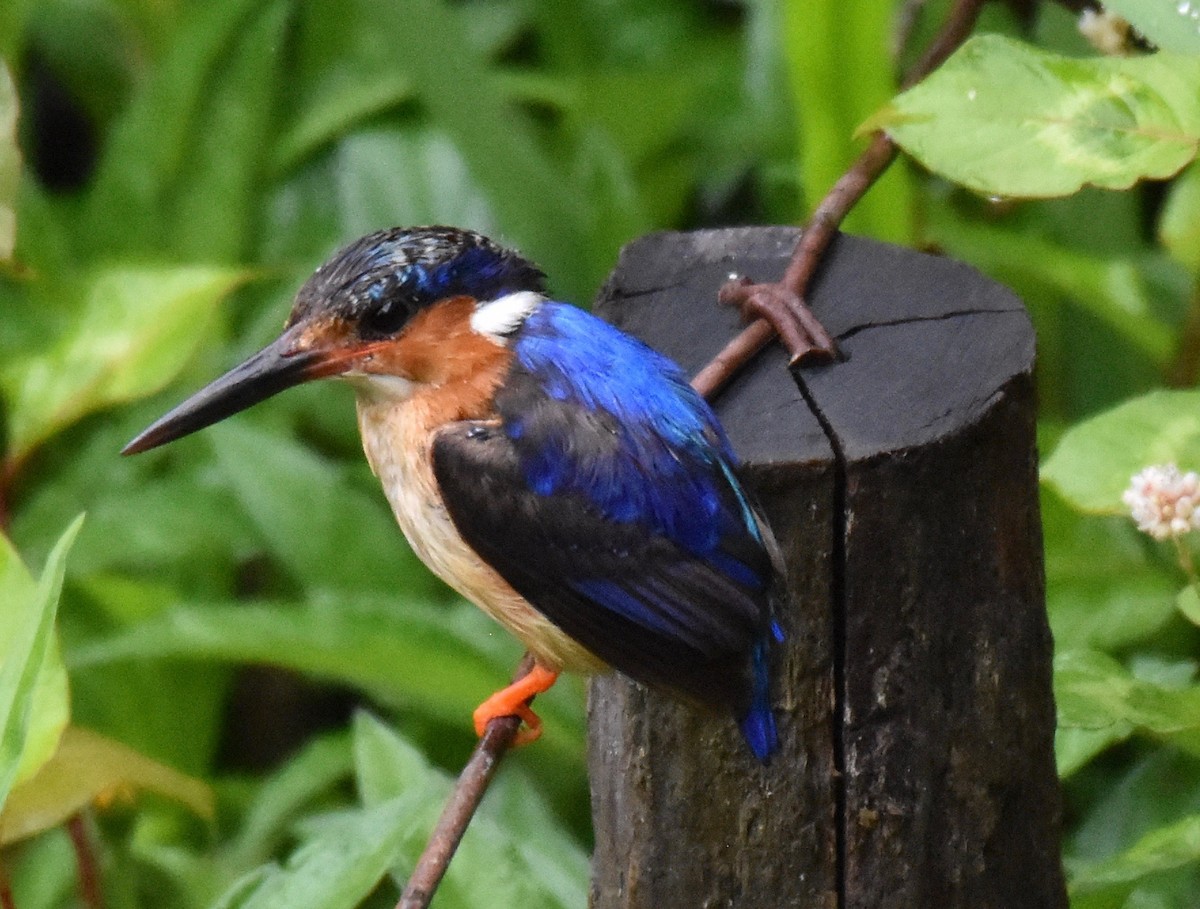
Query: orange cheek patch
[(439, 347)]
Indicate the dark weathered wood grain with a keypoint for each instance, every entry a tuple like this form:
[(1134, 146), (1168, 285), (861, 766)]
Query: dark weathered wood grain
[(914, 695)]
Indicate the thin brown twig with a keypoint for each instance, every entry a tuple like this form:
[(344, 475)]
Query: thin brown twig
[(1184, 369), (85, 860), (500, 733), (784, 300), (472, 783), (7, 900), (8, 478)]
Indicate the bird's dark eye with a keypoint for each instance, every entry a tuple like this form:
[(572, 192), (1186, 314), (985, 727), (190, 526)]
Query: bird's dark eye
[(389, 310)]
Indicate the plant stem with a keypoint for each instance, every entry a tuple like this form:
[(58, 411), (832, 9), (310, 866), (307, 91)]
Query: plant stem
[(460, 808), (789, 292), (85, 858)]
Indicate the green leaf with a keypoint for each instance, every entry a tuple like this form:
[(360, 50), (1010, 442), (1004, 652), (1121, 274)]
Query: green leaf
[(1110, 611), (328, 534), (33, 682), (833, 53), (213, 208), (1140, 796), (1172, 25), (42, 873), (337, 868), (378, 175), (1111, 288), (387, 765), (1179, 224), (498, 141), (10, 164), (1101, 593), (316, 769), (1004, 118), (136, 330), (1094, 691), (1174, 846), (440, 659), (148, 159), (1096, 459), (331, 115), (514, 842), (152, 513), (88, 766), (1188, 603), (1074, 748)]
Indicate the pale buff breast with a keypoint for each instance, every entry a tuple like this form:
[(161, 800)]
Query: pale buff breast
[(396, 438)]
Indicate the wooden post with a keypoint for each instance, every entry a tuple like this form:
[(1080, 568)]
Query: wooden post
[(914, 695)]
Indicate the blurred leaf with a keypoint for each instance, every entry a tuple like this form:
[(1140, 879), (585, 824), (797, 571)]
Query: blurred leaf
[(1111, 611), (1004, 118), (1100, 591), (10, 163), (330, 117), (88, 766), (131, 205), (320, 765), (1188, 603), (1172, 25), (137, 329), (152, 513), (42, 872), (402, 173), (387, 765), (90, 50), (1155, 791), (212, 210), (336, 868), (1179, 224), (497, 141), (513, 843), (1096, 459), (1093, 691), (1074, 748), (836, 53), (13, 20), (33, 683), (1112, 289), (406, 653), (328, 534), (1174, 846)]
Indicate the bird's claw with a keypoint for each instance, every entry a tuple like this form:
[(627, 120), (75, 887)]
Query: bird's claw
[(531, 723), (514, 701), (804, 337)]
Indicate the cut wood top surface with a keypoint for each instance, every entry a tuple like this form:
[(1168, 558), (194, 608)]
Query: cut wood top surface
[(928, 342)]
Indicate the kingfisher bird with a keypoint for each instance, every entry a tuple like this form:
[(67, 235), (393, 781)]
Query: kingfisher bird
[(558, 473)]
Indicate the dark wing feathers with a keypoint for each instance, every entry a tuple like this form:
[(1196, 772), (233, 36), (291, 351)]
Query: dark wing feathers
[(638, 602), (604, 493)]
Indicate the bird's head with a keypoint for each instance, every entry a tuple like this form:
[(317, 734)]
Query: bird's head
[(395, 307)]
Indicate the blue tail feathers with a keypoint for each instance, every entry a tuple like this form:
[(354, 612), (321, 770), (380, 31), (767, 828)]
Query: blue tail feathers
[(758, 725)]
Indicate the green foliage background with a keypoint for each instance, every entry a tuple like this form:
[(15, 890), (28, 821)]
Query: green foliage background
[(183, 167)]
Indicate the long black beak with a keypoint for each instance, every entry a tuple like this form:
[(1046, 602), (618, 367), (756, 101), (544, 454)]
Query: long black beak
[(274, 368)]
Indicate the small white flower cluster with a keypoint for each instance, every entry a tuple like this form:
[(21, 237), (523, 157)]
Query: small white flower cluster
[(1164, 502)]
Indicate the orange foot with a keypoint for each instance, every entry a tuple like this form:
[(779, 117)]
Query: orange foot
[(510, 701)]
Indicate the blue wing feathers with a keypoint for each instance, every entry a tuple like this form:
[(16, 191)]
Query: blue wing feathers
[(670, 465), (632, 514)]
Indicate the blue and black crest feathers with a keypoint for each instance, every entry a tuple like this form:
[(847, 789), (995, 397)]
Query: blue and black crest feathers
[(382, 280)]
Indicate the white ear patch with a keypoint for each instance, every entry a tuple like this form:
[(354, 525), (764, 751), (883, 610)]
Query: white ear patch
[(499, 318)]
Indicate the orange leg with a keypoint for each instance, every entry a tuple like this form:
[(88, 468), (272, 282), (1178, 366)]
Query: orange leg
[(510, 701)]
